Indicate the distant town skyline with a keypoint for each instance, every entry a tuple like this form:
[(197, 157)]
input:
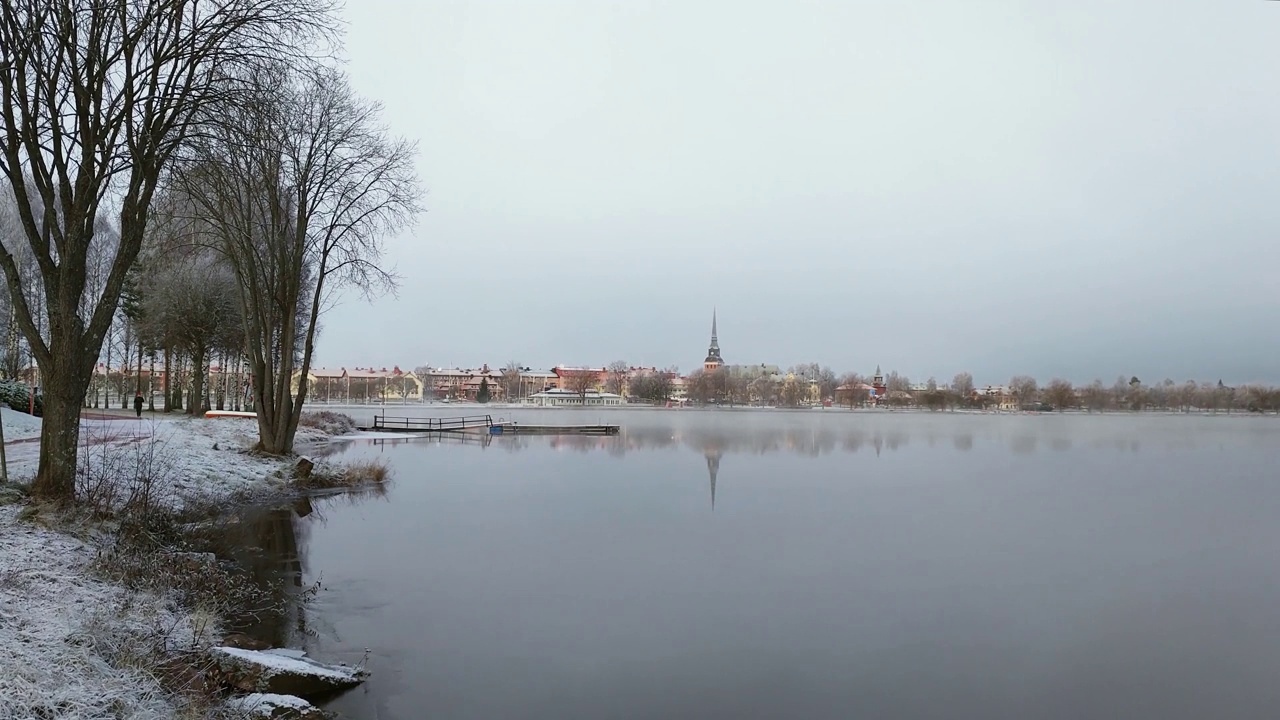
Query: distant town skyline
[(1073, 189), (713, 350)]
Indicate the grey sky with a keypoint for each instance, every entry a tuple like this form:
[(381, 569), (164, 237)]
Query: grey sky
[(1080, 189)]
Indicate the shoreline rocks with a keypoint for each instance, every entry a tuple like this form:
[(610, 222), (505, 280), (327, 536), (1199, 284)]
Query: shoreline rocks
[(281, 672), (272, 706)]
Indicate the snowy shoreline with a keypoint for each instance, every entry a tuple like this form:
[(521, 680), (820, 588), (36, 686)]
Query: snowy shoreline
[(77, 642)]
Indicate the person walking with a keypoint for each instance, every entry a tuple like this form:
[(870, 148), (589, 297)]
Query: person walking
[(137, 404)]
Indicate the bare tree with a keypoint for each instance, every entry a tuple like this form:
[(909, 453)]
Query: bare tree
[(616, 380), (699, 387), (853, 394), (897, 383), (652, 385), (640, 385), (827, 383), (1187, 395), (581, 382), (1096, 397), (962, 386), (195, 300), (664, 384), (795, 390), (95, 97), (1158, 395), (1023, 388), (1060, 394), (766, 390), (512, 381), (736, 386), (301, 184)]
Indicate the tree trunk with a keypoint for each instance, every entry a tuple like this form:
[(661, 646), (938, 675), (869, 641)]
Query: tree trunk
[(106, 380), (151, 380), (196, 399), (222, 381), (180, 364), (168, 373), (124, 371), (64, 386)]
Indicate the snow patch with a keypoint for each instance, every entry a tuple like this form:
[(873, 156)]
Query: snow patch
[(19, 425), (268, 672), (68, 636), (61, 627), (266, 705), (274, 663)]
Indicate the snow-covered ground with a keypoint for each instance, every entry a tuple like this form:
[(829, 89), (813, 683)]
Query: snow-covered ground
[(59, 624), (19, 425), (198, 459)]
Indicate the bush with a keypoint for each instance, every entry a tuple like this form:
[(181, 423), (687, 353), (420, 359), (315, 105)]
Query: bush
[(330, 422), (17, 395), (362, 473), (123, 478)]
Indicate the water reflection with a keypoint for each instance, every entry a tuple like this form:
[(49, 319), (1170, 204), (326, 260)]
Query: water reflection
[(264, 541), (810, 442), (542, 576), (269, 544), (713, 469)]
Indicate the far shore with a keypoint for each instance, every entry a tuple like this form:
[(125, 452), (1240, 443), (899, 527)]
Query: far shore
[(470, 407)]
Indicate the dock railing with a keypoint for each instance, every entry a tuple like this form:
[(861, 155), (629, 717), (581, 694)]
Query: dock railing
[(451, 424)]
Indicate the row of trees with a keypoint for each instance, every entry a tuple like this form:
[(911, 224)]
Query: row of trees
[(183, 181), (805, 384)]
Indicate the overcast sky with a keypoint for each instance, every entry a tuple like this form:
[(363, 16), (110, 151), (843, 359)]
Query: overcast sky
[(1078, 189)]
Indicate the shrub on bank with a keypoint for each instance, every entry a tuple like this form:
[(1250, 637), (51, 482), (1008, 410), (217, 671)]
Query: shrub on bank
[(17, 395), (361, 473), (328, 421)]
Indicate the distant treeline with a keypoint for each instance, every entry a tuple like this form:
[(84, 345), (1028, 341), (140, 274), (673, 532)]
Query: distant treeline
[(811, 384)]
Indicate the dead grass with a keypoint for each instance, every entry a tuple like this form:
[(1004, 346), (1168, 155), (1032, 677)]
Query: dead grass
[(358, 474), (13, 493), (328, 421)]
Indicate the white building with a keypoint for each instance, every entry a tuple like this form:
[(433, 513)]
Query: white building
[(560, 397)]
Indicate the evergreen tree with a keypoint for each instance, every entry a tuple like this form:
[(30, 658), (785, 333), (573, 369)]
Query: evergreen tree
[(482, 395)]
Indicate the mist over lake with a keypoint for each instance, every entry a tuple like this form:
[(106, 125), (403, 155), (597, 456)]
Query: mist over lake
[(810, 564)]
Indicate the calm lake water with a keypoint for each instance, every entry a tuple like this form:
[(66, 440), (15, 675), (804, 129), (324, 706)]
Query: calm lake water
[(819, 564)]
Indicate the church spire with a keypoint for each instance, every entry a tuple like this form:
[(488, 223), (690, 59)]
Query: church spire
[(713, 360)]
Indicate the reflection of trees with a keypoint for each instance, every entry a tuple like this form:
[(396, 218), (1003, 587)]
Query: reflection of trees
[(269, 544), (808, 441), (264, 542), (812, 442), (1024, 444)]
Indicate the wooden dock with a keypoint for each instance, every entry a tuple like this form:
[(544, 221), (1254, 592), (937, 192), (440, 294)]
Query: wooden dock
[(518, 429), (383, 423), (481, 424)]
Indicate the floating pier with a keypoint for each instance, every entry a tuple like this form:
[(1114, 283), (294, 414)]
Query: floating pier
[(480, 424), (518, 429)]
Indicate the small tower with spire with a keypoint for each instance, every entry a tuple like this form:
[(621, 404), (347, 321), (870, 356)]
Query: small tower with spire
[(877, 384), (713, 361)]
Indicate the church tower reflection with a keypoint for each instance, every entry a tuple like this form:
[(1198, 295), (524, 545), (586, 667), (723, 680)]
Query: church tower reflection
[(713, 456)]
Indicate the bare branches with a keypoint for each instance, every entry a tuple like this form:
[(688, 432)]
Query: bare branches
[(300, 183), (95, 97)]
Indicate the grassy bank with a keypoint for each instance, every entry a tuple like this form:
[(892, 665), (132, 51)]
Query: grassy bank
[(107, 607)]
